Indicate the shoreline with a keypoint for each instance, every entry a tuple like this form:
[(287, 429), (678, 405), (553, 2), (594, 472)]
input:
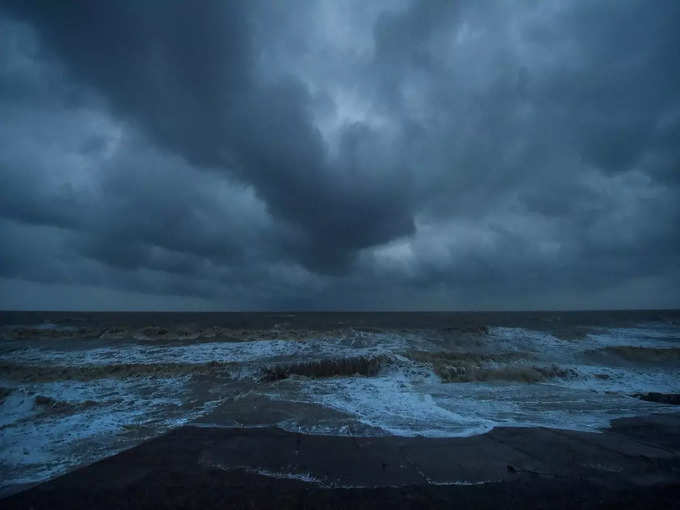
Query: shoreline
[(635, 462)]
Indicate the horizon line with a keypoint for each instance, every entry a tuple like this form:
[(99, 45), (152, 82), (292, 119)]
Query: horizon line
[(527, 310)]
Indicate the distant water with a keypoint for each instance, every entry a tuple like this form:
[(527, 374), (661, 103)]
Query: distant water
[(76, 387)]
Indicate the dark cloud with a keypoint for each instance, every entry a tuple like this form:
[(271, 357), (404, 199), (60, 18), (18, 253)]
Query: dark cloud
[(186, 77), (307, 155)]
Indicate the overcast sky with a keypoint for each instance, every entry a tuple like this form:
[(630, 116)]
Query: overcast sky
[(339, 154)]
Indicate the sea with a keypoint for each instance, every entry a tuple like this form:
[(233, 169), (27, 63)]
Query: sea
[(76, 387)]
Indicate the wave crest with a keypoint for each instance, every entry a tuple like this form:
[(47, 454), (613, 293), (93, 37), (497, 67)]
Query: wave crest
[(527, 374), (361, 365)]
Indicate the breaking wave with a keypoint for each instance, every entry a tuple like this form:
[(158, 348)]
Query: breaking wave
[(526, 374), (77, 393), (476, 366), (334, 367)]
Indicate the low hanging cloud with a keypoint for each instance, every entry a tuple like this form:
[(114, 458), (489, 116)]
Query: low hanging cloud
[(411, 155)]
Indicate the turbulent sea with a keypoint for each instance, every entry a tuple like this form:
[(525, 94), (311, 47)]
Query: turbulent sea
[(76, 387)]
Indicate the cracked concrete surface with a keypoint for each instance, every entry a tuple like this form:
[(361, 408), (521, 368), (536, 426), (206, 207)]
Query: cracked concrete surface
[(636, 461)]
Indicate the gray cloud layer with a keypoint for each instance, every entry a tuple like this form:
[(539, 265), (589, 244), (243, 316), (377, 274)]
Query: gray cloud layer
[(340, 155)]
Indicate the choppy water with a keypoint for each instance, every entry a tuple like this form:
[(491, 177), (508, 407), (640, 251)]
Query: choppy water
[(79, 387)]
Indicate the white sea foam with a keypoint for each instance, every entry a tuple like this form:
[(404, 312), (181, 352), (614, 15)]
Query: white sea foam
[(207, 352), (545, 345), (642, 336), (406, 398), (628, 380), (460, 482), (128, 354), (338, 484), (391, 402), (306, 477), (18, 405), (36, 445), (403, 402), (302, 477)]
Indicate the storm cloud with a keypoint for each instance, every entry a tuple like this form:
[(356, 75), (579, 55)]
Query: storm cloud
[(353, 155)]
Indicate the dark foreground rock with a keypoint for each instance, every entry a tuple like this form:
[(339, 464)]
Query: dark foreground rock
[(634, 464)]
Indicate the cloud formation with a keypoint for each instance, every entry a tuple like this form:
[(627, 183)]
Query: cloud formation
[(411, 155)]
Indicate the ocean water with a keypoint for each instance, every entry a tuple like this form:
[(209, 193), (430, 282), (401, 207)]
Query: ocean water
[(76, 387)]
